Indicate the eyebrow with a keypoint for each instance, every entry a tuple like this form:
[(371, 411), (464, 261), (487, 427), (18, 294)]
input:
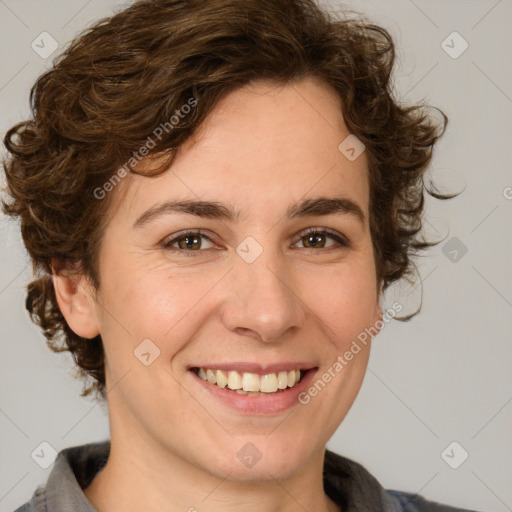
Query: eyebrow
[(215, 210)]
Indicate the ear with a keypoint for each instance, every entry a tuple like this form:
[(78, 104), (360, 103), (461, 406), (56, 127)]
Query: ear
[(76, 302)]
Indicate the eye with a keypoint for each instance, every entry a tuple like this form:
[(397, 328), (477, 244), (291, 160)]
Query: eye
[(314, 238), (189, 242)]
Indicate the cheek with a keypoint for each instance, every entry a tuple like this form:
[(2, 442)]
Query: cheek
[(156, 304), (344, 302), (171, 305)]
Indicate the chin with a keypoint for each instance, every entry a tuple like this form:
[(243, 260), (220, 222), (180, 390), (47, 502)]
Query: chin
[(260, 459)]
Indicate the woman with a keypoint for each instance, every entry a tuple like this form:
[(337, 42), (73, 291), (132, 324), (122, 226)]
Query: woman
[(215, 195)]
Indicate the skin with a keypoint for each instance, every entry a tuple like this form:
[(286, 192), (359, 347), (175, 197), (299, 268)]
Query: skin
[(263, 148)]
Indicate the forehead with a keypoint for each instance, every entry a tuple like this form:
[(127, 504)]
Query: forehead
[(262, 146)]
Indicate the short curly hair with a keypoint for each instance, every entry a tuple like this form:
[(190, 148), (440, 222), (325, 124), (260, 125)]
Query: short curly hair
[(127, 74)]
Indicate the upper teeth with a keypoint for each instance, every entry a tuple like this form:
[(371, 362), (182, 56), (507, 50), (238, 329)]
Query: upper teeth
[(268, 383)]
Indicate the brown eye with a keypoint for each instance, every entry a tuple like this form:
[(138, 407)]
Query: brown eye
[(187, 243), (316, 239)]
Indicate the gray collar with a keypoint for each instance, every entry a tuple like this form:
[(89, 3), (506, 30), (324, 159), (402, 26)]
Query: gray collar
[(346, 482)]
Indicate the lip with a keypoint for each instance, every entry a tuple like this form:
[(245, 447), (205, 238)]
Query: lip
[(246, 367), (255, 405)]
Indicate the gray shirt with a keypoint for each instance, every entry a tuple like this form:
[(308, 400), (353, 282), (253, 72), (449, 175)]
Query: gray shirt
[(346, 482)]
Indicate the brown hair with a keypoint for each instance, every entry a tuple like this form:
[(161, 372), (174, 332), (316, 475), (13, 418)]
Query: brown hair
[(129, 74)]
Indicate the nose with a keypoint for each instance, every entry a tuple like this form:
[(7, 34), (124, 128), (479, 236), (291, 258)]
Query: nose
[(262, 299)]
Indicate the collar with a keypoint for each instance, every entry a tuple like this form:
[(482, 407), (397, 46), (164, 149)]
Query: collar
[(346, 482)]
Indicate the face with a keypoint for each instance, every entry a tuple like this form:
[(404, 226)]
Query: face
[(267, 279)]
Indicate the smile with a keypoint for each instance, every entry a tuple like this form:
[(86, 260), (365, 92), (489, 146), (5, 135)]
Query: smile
[(247, 383)]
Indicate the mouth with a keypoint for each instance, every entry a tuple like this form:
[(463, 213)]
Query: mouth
[(253, 389), (252, 384)]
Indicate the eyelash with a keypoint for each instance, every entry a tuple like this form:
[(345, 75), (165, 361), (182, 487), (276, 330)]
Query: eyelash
[(342, 241)]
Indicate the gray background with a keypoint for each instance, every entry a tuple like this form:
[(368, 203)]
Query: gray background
[(442, 377)]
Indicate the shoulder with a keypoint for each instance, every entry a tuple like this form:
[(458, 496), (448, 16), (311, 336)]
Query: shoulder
[(37, 503), (409, 502), (73, 469), (24, 508), (352, 486)]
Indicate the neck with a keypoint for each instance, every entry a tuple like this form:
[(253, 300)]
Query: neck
[(140, 477)]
